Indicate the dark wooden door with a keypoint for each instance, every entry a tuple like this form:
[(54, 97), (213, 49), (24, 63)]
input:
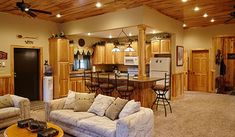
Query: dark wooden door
[(26, 75)]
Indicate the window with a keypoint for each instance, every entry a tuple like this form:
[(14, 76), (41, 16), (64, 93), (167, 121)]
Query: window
[(82, 62)]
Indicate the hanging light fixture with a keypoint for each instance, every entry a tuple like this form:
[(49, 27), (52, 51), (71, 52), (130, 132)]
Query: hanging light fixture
[(128, 40), (116, 49)]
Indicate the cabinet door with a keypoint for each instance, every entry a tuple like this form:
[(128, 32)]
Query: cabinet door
[(63, 50), (72, 85), (109, 55), (99, 55), (71, 54), (155, 46), (148, 53), (63, 68), (119, 56), (64, 87), (165, 46)]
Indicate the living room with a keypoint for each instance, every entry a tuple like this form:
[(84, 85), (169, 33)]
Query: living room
[(145, 23)]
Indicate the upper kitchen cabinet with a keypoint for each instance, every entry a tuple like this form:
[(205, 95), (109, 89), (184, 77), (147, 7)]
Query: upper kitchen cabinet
[(71, 54), (109, 55), (99, 55), (119, 56), (161, 46)]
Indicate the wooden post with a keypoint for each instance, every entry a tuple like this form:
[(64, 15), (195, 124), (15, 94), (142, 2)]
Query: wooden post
[(141, 51)]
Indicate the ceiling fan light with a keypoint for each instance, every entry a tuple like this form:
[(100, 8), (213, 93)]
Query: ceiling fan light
[(26, 9), (58, 15)]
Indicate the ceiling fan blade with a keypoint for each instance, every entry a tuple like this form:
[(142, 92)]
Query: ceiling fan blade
[(31, 14), (9, 10), (229, 20), (40, 11)]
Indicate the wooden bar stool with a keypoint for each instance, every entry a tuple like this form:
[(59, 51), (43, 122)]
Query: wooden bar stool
[(160, 90), (91, 81), (123, 86), (105, 84)]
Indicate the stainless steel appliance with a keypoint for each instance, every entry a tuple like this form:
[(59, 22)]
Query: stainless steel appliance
[(130, 60)]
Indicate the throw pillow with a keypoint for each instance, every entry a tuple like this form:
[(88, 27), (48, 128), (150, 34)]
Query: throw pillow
[(6, 101), (83, 101), (130, 108), (70, 100), (115, 108), (100, 104)]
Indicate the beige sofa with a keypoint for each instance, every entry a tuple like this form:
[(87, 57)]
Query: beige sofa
[(11, 115), (85, 124)]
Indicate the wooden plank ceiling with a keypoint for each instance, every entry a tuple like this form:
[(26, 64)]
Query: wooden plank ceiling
[(79, 9)]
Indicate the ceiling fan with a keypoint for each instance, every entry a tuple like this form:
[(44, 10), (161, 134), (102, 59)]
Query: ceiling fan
[(25, 7), (232, 14)]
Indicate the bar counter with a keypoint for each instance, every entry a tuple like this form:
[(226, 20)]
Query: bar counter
[(142, 91)]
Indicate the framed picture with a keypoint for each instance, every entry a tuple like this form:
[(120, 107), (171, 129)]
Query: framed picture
[(179, 55)]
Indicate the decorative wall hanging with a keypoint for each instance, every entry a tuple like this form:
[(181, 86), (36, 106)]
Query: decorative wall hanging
[(179, 55), (3, 55), (25, 37), (231, 55), (81, 42)]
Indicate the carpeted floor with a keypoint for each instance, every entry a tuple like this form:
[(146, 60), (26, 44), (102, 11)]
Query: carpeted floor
[(194, 115)]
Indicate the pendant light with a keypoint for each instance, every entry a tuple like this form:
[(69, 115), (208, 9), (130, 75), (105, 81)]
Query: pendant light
[(128, 49), (116, 49)]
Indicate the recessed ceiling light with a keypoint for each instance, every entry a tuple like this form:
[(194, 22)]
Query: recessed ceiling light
[(26, 9), (184, 0), (110, 36), (58, 15), (89, 34), (153, 32), (205, 15), (98, 5), (130, 34), (196, 8), (184, 25), (212, 20)]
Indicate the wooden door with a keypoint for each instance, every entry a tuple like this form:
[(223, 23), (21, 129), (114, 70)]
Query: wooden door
[(185, 70), (199, 70), (26, 73)]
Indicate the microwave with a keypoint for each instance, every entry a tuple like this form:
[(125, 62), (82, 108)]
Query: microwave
[(130, 60)]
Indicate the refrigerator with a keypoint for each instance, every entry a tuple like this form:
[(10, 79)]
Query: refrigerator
[(158, 67)]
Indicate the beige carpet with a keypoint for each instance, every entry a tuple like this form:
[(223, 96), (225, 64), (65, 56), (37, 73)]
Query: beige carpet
[(195, 115)]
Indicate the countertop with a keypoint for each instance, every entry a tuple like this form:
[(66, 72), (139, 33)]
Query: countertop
[(134, 79)]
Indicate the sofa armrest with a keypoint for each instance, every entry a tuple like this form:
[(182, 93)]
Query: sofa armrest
[(139, 124), (53, 105), (23, 104)]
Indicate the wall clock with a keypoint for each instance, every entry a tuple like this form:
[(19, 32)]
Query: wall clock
[(81, 42)]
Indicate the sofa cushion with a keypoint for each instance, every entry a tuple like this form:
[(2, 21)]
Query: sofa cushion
[(100, 104), (130, 108), (69, 116), (70, 100), (83, 101), (99, 125), (6, 101), (115, 108), (9, 112)]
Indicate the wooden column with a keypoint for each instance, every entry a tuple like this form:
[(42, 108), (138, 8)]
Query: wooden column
[(141, 51)]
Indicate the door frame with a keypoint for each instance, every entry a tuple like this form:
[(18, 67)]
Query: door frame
[(40, 65), (210, 73)]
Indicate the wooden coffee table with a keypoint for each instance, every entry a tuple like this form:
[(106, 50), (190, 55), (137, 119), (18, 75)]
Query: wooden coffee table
[(14, 131)]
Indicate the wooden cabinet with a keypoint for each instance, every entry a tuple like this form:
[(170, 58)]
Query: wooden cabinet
[(119, 56), (109, 55), (59, 60), (99, 55), (161, 46), (71, 54), (77, 84)]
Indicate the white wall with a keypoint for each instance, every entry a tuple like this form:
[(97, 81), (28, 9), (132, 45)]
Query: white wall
[(202, 37), (12, 25)]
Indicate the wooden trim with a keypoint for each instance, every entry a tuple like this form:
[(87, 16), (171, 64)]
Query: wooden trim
[(40, 65)]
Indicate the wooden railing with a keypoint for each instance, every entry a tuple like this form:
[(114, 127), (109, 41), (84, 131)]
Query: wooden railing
[(6, 86)]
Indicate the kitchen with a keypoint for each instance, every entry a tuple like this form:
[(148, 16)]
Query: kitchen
[(95, 51)]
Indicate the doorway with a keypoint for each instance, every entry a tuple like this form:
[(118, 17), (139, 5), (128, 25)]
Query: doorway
[(26, 72), (198, 78)]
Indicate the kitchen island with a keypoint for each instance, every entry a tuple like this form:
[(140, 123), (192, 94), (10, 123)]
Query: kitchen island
[(142, 88)]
